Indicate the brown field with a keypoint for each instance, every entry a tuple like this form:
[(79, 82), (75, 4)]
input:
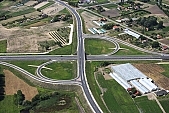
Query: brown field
[(165, 41), (88, 18), (13, 84), (154, 71), (26, 40), (111, 13), (155, 10)]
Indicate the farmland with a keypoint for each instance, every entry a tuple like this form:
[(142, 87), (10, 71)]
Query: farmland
[(60, 70), (114, 95), (148, 70), (147, 106)]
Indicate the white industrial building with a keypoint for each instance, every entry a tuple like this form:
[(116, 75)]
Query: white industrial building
[(139, 86), (128, 76), (127, 31), (127, 72)]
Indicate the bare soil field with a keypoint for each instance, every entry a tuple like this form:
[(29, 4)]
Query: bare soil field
[(26, 40), (111, 13), (165, 41), (154, 71), (13, 84), (41, 4), (155, 10), (53, 9), (30, 3), (88, 19)]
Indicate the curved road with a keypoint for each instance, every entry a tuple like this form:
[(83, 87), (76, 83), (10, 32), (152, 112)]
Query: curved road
[(81, 61)]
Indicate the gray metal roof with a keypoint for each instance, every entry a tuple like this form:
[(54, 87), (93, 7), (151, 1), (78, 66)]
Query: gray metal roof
[(127, 72)]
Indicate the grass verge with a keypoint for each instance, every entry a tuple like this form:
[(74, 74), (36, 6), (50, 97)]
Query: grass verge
[(60, 70), (25, 65), (129, 51), (3, 46), (97, 46)]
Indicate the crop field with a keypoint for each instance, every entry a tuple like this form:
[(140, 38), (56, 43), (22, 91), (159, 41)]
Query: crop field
[(126, 50), (166, 68), (25, 65), (97, 46), (147, 106), (164, 101), (60, 70), (115, 96), (3, 46), (7, 105)]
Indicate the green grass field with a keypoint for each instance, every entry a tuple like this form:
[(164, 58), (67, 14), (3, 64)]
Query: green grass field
[(166, 68), (60, 70), (147, 106), (7, 105), (93, 86), (24, 65), (19, 13), (97, 46), (3, 46), (164, 102), (129, 51)]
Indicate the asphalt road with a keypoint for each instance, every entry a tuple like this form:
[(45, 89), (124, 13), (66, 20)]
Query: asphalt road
[(81, 61)]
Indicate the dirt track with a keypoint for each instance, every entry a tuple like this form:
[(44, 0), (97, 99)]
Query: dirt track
[(13, 83)]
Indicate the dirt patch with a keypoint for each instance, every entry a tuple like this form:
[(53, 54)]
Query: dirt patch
[(26, 40), (30, 3), (13, 84), (154, 71), (88, 19), (155, 10), (111, 13), (165, 41)]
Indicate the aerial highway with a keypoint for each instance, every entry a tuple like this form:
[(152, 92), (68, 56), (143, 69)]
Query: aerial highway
[(81, 58), (81, 61)]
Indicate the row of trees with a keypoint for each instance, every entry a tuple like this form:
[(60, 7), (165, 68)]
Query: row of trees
[(2, 84), (73, 3)]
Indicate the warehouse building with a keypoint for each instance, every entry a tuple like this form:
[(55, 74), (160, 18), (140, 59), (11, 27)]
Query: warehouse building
[(128, 76)]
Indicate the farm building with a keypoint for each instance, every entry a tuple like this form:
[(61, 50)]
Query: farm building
[(97, 31), (131, 33), (99, 23), (128, 76), (139, 86), (127, 72)]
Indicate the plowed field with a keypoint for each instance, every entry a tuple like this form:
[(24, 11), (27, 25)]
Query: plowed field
[(154, 71), (13, 84)]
